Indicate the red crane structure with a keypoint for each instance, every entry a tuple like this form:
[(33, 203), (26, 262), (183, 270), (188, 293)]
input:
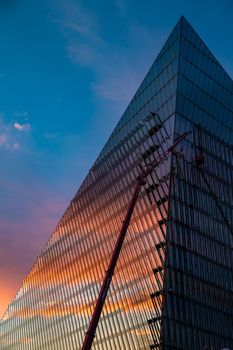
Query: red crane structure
[(141, 180)]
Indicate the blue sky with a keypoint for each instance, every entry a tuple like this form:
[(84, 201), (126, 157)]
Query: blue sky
[(68, 69)]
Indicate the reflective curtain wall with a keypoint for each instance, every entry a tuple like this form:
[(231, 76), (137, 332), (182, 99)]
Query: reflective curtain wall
[(198, 289)]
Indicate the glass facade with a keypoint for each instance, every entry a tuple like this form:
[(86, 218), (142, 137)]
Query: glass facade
[(199, 274), (173, 284)]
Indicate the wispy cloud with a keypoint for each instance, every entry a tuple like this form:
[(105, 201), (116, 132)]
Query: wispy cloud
[(76, 22), (121, 7), (81, 30), (22, 127), (3, 139), (73, 16), (118, 72), (80, 54), (9, 140), (6, 139), (50, 135), (19, 114), (13, 146)]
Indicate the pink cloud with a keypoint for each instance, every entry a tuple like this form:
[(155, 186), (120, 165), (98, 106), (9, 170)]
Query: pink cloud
[(26, 223), (22, 127), (3, 139)]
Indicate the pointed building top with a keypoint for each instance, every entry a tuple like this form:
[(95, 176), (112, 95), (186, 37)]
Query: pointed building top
[(183, 44)]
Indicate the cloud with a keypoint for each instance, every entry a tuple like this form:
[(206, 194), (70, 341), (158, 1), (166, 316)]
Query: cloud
[(3, 139), (9, 140), (80, 54), (118, 70), (117, 88), (13, 146), (50, 135), (19, 114), (81, 30), (7, 144), (121, 7), (73, 17), (22, 127)]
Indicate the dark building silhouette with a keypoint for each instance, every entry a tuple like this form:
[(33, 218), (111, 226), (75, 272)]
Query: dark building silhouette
[(173, 285)]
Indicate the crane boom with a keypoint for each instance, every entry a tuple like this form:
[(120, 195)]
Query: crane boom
[(141, 179)]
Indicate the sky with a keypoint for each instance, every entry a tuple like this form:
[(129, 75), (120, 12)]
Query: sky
[(68, 69)]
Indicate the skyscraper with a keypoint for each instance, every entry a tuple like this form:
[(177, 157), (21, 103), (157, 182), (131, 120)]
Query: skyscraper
[(173, 285)]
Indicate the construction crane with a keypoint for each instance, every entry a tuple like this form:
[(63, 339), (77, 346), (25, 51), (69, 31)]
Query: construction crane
[(199, 161), (140, 181)]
